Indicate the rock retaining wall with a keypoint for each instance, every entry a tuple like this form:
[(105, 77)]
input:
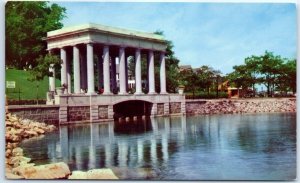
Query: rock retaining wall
[(48, 114), (79, 113), (175, 107), (230, 106)]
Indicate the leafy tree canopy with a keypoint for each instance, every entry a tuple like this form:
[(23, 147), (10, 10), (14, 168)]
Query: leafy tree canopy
[(275, 72), (27, 24)]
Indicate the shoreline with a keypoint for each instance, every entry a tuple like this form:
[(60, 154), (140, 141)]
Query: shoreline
[(240, 106), (17, 166), (18, 129)]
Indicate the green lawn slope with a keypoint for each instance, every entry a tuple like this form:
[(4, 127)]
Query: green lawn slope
[(28, 89)]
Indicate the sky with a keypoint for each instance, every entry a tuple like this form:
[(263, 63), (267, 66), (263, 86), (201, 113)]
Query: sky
[(220, 35)]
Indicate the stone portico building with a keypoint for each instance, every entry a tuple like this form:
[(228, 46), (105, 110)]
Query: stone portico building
[(91, 50)]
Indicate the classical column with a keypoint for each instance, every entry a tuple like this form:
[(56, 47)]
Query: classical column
[(122, 72), (100, 71), (52, 78), (151, 73), (138, 75), (126, 72), (63, 71), (69, 83), (162, 74), (106, 72), (90, 68), (76, 67), (113, 73), (83, 68)]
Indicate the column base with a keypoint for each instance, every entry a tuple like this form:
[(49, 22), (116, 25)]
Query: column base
[(163, 93), (94, 93), (138, 93), (152, 93), (107, 93), (125, 93)]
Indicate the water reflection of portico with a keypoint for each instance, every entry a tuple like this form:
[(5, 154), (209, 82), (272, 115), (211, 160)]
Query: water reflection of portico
[(110, 148)]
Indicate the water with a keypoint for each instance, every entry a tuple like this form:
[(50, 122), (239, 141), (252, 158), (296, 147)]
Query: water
[(216, 147)]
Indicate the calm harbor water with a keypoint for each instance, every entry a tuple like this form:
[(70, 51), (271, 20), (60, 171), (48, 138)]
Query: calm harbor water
[(215, 147)]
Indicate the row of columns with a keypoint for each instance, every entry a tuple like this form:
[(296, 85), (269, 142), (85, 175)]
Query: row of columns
[(89, 71)]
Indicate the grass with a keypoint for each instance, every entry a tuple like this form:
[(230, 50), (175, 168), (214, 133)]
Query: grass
[(27, 88)]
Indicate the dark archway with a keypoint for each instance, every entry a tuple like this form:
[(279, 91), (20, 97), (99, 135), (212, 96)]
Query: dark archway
[(132, 108)]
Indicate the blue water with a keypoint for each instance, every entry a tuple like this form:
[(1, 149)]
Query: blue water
[(215, 147)]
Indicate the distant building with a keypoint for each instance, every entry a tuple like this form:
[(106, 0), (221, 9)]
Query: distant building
[(185, 68)]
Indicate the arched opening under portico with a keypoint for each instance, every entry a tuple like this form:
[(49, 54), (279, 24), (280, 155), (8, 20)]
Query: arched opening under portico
[(132, 109)]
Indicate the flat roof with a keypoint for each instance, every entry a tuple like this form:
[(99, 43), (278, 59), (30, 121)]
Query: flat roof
[(104, 28)]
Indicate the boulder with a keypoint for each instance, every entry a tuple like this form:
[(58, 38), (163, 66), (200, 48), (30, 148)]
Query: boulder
[(78, 175), (17, 152), (40, 131), (16, 160), (31, 133), (104, 174), (49, 171)]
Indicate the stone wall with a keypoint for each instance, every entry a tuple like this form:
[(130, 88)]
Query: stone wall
[(175, 107), (40, 113), (160, 109), (78, 113), (103, 112), (231, 106)]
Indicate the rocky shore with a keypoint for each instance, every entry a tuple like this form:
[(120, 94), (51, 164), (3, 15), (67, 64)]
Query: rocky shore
[(233, 106), (19, 167)]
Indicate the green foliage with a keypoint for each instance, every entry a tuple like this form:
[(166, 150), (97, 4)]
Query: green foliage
[(27, 88), (204, 78), (42, 69), (27, 24), (205, 95), (275, 72)]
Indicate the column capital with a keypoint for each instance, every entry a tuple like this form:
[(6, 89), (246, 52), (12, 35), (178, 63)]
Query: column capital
[(106, 45), (62, 47), (50, 51), (122, 47), (90, 43), (75, 45)]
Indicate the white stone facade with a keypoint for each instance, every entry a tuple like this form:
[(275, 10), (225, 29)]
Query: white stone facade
[(91, 50)]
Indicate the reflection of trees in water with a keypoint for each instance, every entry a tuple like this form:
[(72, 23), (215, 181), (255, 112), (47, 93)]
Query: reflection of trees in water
[(247, 138), (267, 135)]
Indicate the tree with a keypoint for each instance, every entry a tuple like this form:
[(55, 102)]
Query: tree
[(42, 69), (206, 76), (252, 68), (271, 70), (27, 23), (191, 80), (286, 81)]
